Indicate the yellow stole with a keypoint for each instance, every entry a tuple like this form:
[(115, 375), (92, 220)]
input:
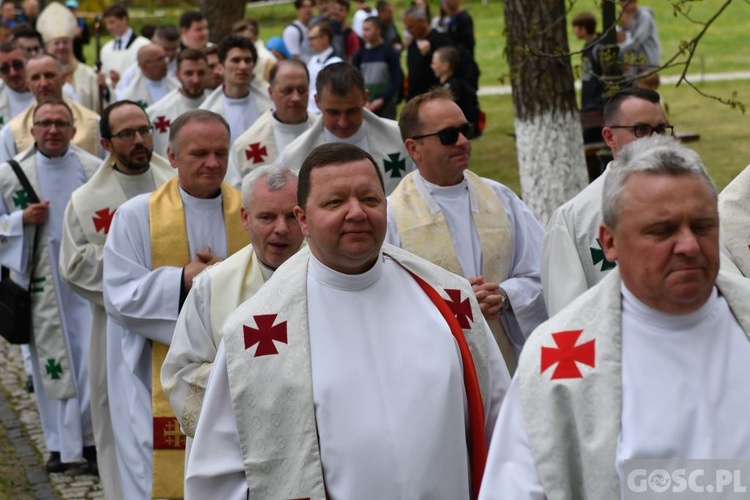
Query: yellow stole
[(169, 247), (423, 230), (85, 121)]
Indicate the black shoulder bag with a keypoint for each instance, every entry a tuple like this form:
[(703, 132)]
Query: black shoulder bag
[(15, 301)]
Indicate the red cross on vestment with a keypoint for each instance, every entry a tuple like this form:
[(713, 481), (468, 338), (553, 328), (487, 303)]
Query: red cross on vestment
[(103, 219), (461, 308), (265, 334), (256, 153), (567, 354), (162, 124)]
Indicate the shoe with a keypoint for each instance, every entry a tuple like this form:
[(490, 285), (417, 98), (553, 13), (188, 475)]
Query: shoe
[(54, 464), (30, 384), (92, 467)]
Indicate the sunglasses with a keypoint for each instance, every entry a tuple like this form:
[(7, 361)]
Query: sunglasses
[(16, 65), (449, 135)]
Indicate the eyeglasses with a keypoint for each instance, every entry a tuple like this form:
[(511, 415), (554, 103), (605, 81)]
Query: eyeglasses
[(16, 64), (449, 135), (59, 124), (129, 134), (645, 130)]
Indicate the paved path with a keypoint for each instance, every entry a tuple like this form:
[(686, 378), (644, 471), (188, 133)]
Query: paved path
[(665, 80), (19, 416)]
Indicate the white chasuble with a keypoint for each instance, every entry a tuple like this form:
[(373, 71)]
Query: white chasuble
[(164, 112), (377, 399), (87, 222), (612, 386), (215, 294), (383, 141), (734, 213), (261, 144), (61, 319)]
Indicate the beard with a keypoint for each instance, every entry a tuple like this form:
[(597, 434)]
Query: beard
[(135, 165)]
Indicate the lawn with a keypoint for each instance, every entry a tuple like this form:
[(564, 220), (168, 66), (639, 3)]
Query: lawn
[(723, 143)]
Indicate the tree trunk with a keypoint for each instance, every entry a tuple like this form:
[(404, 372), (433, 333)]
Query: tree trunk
[(549, 140), (221, 15)]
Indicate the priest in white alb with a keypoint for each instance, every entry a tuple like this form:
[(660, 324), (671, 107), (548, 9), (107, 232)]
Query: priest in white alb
[(157, 244), (129, 170), (191, 73), (241, 99), (152, 83), (44, 76), (469, 225), (30, 235), (261, 144), (651, 363), (358, 371), (341, 97), (269, 195), (572, 257)]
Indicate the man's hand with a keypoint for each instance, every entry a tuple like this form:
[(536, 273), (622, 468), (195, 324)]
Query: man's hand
[(35, 214), (423, 46), (114, 76), (203, 259), (375, 105), (488, 295)]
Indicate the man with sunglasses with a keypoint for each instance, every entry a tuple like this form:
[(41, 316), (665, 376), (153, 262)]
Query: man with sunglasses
[(30, 235), (129, 170), (44, 76), (474, 227), (342, 97), (572, 256), (15, 95)]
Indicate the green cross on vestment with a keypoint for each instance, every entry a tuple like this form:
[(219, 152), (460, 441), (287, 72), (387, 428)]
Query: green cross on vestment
[(142, 103), (37, 284), (53, 368), (21, 199), (395, 165), (597, 255)]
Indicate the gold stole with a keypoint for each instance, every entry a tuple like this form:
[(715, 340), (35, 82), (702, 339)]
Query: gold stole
[(169, 247), (426, 234), (85, 121)]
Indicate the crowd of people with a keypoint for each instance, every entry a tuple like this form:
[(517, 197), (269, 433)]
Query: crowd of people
[(249, 281)]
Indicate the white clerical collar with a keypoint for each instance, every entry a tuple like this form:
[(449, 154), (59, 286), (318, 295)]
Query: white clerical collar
[(340, 281), (131, 179), (50, 160), (200, 203), (290, 128), (355, 138), (237, 101), (671, 322), (455, 191), (155, 83)]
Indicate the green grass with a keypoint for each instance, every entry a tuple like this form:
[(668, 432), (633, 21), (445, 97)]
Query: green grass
[(723, 146)]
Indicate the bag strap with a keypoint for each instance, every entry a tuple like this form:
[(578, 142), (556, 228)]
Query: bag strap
[(33, 198)]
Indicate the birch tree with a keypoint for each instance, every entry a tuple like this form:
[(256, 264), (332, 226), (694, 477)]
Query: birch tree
[(549, 142)]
